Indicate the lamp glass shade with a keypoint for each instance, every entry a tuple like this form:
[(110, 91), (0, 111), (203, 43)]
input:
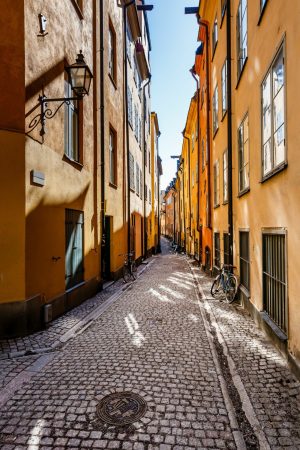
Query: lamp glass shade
[(80, 76)]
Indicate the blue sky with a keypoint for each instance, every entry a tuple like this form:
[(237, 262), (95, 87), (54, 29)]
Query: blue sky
[(174, 42)]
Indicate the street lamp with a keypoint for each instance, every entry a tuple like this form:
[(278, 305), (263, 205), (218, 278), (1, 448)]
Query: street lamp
[(79, 77)]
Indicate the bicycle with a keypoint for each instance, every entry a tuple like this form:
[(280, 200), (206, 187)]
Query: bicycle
[(226, 282), (129, 267)]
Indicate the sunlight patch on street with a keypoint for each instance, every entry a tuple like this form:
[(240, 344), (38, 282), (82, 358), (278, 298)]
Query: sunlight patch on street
[(35, 435), (133, 327), (171, 292), (161, 297)]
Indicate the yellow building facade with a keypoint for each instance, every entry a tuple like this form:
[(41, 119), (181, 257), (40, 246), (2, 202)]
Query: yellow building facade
[(50, 234), (253, 149)]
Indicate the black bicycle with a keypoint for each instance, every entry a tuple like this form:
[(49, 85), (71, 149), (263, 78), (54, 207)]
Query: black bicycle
[(129, 268), (225, 283)]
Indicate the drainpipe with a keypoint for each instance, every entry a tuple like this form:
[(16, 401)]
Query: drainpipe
[(144, 168), (127, 124), (158, 202), (199, 155), (174, 216), (102, 136), (189, 175), (229, 132)]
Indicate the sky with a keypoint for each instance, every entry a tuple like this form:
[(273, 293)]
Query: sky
[(174, 42)]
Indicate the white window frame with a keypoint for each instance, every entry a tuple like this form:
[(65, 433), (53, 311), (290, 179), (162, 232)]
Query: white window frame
[(241, 36), (224, 88), (273, 167), (215, 110), (243, 166)]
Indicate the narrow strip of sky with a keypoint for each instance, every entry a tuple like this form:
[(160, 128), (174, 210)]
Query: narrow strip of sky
[(174, 42)]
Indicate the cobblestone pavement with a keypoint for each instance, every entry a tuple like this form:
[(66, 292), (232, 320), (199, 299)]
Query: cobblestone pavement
[(157, 342)]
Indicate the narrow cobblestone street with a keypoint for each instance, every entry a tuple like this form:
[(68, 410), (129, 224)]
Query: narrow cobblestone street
[(209, 376)]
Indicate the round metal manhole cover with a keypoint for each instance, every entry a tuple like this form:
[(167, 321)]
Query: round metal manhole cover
[(121, 408)]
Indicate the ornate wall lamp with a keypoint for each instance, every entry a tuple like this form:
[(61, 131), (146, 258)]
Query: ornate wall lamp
[(79, 77)]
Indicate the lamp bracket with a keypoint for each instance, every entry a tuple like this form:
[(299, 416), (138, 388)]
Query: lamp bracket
[(48, 113)]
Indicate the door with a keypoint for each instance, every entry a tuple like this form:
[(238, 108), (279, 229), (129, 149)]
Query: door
[(106, 272), (74, 221)]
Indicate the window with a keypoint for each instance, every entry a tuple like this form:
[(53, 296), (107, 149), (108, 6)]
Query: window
[(216, 184), (150, 196), (130, 110), (217, 249), (129, 45), (225, 176), (223, 7), (131, 171), (273, 116), (141, 184), (136, 122), (275, 278), (140, 133), (137, 174), (262, 4), (71, 132), (112, 54), (226, 247), (224, 87), (146, 192), (215, 110), (145, 153), (244, 259), (74, 247), (112, 157), (243, 149), (214, 35), (242, 35)]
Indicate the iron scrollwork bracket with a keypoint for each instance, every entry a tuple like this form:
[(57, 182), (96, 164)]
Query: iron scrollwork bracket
[(47, 113)]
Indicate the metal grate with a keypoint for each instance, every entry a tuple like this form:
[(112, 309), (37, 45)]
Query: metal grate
[(274, 279)]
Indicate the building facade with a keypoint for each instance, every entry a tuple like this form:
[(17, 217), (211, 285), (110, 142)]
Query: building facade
[(247, 160), (82, 168), (49, 232)]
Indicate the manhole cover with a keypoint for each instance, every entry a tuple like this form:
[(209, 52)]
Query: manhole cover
[(121, 408)]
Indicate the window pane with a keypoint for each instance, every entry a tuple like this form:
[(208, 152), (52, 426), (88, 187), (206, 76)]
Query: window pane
[(278, 110), (279, 151), (278, 74), (267, 163)]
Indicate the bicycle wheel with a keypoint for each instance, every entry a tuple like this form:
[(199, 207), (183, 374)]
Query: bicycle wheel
[(126, 273), (216, 287), (231, 288)]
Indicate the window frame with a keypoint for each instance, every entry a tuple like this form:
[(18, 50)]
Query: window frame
[(224, 110), (242, 190), (215, 110), (274, 232), (216, 184), (217, 250), (282, 165), (112, 132), (112, 52), (240, 69), (246, 261), (70, 108), (225, 200), (214, 36)]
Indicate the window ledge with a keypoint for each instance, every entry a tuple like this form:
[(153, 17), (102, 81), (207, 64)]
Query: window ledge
[(245, 291), (245, 191), (214, 51), (214, 135), (274, 172), (73, 288), (241, 73), (275, 328), (224, 115), (112, 185), (217, 206), (262, 13), (113, 81), (77, 9), (77, 164), (225, 202)]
